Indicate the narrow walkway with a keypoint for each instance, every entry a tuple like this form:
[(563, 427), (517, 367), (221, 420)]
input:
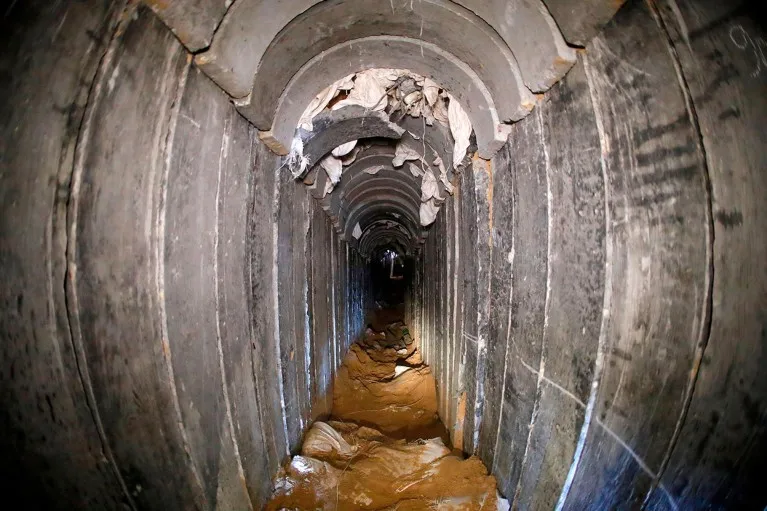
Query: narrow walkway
[(384, 448)]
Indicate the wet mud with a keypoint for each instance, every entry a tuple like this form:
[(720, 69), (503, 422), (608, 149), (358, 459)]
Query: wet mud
[(384, 448)]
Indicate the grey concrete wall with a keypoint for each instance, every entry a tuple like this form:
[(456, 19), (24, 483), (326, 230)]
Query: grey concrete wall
[(162, 275), (449, 302), (608, 347), (45, 417), (174, 306)]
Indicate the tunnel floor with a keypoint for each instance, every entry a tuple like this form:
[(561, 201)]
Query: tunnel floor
[(384, 446)]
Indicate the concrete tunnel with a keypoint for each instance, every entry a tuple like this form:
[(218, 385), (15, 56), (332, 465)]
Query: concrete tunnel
[(591, 297)]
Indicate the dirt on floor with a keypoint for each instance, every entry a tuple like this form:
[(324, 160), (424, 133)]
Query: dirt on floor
[(384, 447)]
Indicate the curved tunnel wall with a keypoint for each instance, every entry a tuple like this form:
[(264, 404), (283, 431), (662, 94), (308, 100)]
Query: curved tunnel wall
[(583, 298), (591, 300)]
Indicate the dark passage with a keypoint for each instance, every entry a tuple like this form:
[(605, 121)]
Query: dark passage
[(391, 278)]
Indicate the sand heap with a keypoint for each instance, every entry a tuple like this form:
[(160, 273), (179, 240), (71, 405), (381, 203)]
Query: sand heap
[(387, 450)]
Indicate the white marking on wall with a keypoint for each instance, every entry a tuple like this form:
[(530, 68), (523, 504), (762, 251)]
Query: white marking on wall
[(606, 299), (334, 341), (602, 343), (546, 306), (223, 155), (510, 258), (192, 121), (743, 41), (276, 305), (642, 464)]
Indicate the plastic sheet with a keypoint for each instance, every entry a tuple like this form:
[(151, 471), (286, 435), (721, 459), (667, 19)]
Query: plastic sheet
[(403, 153), (344, 149), (460, 128), (428, 212), (429, 187), (443, 175)]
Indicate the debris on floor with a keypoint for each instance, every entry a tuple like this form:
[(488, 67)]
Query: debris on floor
[(385, 447), (344, 466), (383, 383)]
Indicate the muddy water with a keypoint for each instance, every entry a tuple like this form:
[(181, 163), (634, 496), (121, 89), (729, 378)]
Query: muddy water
[(384, 447)]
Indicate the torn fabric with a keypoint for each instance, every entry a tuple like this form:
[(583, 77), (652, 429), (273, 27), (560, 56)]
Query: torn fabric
[(414, 170), (428, 212), (344, 149), (322, 99), (403, 153), (374, 169), (443, 175), (333, 167), (296, 160), (439, 110), (460, 128), (430, 91), (369, 91), (429, 187)]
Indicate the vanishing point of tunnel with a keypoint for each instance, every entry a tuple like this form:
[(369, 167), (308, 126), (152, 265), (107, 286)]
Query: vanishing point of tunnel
[(548, 216)]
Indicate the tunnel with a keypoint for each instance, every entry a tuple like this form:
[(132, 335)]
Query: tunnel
[(181, 274)]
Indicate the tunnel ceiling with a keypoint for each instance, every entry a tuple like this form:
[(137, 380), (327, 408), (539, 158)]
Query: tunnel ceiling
[(380, 197), (492, 57)]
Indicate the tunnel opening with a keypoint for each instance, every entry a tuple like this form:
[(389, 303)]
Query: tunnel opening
[(391, 276), (176, 308)]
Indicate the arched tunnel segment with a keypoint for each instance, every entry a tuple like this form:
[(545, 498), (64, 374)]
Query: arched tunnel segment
[(591, 296)]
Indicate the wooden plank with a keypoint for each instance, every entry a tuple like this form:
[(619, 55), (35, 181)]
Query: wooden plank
[(451, 366), (115, 287), (576, 268), (323, 356), (341, 304), (483, 174), (721, 445), (657, 247), (53, 453), (290, 259), (301, 217), (436, 270), (456, 426)]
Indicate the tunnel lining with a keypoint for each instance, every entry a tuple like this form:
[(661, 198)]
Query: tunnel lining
[(662, 136)]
